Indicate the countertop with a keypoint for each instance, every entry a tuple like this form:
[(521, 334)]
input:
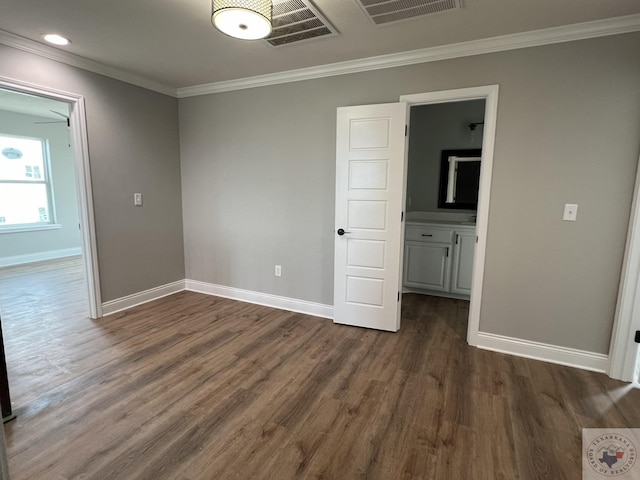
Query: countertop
[(454, 219), (423, 221)]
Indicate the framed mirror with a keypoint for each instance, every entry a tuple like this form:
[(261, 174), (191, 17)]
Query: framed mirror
[(459, 179)]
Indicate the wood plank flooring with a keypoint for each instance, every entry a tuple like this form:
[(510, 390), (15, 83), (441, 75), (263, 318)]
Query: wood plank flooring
[(194, 387)]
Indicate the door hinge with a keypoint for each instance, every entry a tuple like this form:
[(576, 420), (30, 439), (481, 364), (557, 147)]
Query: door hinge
[(398, 296), (476, 239), (637, 336), (402, 216), (406, 130), (447, 251), (68, 122)]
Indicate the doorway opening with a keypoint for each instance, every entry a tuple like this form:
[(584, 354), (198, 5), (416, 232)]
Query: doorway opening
[(461, 250), (624, 351), (443, 174), (56, 189), (48, 261)]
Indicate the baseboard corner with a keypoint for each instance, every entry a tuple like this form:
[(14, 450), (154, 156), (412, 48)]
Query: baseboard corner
[(119, 304)]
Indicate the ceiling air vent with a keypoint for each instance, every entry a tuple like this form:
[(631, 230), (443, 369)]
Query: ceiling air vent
[(296, 21), (392, 11)]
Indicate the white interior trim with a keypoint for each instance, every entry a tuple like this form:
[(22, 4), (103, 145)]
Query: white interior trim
[(547, 36), (571, 357), (30, 228), (535, 38), (268, 300), (133, 300), (489, 93), (39, 256), (85, 205), (623, 350), (79, 140), (21, 43), (248, 296)]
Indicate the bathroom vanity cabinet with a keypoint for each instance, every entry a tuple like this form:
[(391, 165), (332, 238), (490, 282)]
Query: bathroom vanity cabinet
[(438, 258)]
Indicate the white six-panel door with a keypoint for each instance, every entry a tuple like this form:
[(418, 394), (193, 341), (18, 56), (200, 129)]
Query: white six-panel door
[(369, 231)]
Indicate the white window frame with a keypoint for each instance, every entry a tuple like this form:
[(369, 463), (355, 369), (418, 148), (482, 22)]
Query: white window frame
[(51, 224), (452, 178)]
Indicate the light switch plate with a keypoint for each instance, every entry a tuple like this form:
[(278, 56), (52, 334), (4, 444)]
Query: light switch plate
[(570, 212), (137, 199)]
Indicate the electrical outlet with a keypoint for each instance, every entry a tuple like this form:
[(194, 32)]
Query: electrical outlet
[(570, 212), (137, 199), (278, 271)]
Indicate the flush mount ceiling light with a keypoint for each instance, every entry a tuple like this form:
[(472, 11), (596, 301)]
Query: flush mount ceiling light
[(56, 39), (244, 19)]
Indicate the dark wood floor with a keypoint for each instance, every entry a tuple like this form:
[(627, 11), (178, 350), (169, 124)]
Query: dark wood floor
[(198, 387)]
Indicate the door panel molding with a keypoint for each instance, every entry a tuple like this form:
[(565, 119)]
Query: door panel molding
[(370, 183)]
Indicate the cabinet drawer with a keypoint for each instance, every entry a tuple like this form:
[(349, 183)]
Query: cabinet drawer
[(428, 234)]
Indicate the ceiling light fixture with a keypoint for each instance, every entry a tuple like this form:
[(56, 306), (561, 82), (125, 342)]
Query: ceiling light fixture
[(243, 19), (56, 39)]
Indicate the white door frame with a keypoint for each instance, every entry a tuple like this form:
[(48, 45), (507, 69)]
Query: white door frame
[(489, 93), (80, 145), (623, 352)]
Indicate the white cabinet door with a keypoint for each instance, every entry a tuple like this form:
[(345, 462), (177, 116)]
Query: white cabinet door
[(463, 262), (426, 266), (370, 177)]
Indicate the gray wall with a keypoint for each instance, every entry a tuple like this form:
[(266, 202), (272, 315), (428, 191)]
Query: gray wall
[(433, 128), (133, 147), (64, 186), (258, 182)]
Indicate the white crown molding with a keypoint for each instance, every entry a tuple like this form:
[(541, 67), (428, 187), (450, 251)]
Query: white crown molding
[(36, 48), (570, 357), (567, 33)]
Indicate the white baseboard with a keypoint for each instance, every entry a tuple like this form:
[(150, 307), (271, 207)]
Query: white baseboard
[(596, 362), (39, 256), (139, 298), (268, 300)]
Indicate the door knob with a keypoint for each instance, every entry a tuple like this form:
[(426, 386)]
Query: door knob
[(341, 231)]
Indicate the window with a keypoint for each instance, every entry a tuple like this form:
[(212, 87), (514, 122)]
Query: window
[(25, 188)]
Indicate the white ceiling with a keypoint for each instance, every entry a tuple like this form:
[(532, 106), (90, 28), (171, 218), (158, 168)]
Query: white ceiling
[(32, 105), (172, 42)]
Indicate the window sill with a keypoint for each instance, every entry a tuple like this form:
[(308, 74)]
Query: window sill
[(30, 228)]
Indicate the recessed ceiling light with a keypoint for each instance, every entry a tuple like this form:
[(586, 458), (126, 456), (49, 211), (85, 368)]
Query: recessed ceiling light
[(56, 39)]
